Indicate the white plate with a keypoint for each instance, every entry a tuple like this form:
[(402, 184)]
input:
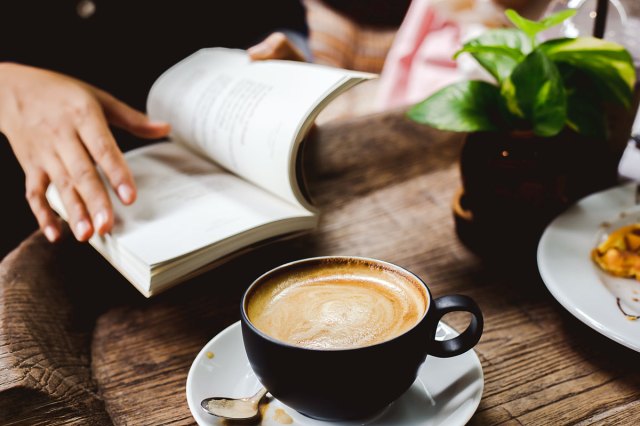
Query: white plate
[(446, 392), (575, 281)]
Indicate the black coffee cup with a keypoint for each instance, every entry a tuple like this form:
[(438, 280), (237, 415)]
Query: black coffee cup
[(358, 382)]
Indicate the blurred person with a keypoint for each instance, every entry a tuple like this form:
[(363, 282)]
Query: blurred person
[(420, 60), (353, 34)]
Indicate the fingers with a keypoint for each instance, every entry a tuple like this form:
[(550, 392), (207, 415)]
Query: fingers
[(122, 115), (66, 163), (98, 140), (87, 183), (78, 216), (36, 187), (276, 46)]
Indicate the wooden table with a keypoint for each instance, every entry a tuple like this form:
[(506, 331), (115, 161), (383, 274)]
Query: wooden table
[(78, 345)]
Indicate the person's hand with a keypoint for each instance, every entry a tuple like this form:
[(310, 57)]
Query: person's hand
[(275, 46), (58, 127)]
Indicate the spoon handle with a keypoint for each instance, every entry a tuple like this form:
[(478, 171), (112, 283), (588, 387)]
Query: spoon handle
[(255, 399)]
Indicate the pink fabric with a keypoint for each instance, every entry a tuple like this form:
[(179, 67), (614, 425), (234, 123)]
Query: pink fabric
[(420, 60)]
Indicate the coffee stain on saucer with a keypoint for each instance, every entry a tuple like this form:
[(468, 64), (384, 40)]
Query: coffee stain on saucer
[(210, 355), (264, 406), (282, 417)]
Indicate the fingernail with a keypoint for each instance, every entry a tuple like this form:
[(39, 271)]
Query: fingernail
[(82, 229), (51, 233), (100, 220), (125, 192), (258, 49)]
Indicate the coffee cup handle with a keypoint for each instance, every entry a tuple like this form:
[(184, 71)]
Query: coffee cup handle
[(468, 338)]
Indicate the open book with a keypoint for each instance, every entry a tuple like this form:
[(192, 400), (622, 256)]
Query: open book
[(227, 178)]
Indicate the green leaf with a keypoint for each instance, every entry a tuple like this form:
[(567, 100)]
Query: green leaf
[(508, 93), (532, 28), (557, 18), (498, 51), (585, 109), (468, 106), (609, 64), (586, 117), (535, 91)]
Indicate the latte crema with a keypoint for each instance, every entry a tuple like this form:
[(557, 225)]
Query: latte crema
[(337, 306)]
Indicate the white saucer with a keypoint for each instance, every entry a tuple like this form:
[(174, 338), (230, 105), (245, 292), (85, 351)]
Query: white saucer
[(446, 392)]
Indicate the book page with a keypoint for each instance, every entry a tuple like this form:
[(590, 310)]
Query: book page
[(245, 115), (186, 203)]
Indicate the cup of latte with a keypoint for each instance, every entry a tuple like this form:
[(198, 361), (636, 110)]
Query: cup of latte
[(340, 338)]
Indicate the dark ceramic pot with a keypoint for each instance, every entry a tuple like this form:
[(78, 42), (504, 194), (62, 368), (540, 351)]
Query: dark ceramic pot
[(515, 184)]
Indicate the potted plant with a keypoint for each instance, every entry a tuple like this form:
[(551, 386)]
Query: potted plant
[(537, 135)]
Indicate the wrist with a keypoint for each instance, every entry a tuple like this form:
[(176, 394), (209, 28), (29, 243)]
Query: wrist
[(7, 71), (7, 68)]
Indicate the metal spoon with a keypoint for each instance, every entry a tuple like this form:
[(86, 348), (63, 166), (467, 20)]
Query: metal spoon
[(234, 408)]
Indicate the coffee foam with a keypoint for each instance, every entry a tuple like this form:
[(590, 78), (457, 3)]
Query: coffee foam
[(329, 305)]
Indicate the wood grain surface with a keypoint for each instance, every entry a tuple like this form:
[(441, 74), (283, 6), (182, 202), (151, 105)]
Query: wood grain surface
[(78, 345)]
